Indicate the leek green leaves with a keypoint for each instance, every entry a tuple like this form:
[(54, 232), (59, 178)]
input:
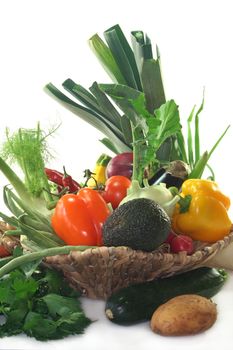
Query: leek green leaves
[(142, 115)]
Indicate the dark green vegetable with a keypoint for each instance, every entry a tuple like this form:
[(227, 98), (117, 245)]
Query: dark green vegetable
[(137, 303), (139, 224), (38, 305)]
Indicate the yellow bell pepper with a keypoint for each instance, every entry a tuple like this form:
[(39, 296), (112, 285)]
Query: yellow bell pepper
[(99, 173), (206, 218)]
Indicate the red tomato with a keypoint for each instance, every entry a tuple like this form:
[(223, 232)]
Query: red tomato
[(116, 189), (3, 252), (182, 243)]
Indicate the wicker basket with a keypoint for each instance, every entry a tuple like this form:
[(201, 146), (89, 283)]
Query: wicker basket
[(99, 272)]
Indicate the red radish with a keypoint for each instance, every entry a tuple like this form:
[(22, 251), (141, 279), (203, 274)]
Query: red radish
[(121, 164), (170, 237), (181, 243)]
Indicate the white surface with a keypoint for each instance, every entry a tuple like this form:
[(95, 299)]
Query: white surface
[(43, 41)]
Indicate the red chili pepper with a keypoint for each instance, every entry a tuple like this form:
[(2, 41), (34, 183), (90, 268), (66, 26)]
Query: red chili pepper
[(78, 219), (54, 176), (62, 180), (67, 181)]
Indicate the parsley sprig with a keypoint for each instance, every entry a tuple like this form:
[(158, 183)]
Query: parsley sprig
[(39, 305)]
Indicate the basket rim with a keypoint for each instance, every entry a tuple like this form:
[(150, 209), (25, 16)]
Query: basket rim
[(201, 255), (204, 247)]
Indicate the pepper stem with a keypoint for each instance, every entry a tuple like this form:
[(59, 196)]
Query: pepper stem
[(184, 203), (88, 175), (64, 172)]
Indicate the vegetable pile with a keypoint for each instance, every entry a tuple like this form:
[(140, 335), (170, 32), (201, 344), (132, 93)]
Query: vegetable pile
[(149, 193)]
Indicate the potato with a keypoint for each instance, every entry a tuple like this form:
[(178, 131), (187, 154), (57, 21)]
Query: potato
[(184, 315)]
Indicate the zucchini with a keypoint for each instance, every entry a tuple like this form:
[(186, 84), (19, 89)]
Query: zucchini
[(137, 303)]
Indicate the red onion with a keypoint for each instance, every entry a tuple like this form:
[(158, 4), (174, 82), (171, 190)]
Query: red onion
[(121, 164)]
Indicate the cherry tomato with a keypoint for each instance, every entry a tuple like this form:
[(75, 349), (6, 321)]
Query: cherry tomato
[(116, 189), (181, 243), (4, 252)]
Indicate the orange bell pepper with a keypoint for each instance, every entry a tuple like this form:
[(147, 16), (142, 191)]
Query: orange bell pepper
[(78, 218), (206, 218)]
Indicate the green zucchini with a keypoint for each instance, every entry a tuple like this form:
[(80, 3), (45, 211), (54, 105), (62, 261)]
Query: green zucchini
[(137, 303)]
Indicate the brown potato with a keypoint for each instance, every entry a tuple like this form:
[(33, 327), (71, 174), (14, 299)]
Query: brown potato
[(184, 315)]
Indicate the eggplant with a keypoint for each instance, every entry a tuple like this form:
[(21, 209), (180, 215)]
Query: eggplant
[(174, 174)]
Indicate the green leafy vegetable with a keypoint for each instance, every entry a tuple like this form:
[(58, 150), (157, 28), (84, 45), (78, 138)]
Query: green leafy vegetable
[(39, 306), (149, 131)]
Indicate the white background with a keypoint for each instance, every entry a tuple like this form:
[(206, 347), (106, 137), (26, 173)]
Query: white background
[(46, 41)]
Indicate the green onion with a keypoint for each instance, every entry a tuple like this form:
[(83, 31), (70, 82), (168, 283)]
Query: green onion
[(29, 257), (197, 136)]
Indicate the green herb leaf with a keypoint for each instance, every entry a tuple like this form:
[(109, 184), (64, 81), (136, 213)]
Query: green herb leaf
[(168, 115), (59, 305), (40, 327), (29, 307)]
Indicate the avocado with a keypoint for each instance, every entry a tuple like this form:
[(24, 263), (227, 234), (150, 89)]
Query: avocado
[(141, 224)]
